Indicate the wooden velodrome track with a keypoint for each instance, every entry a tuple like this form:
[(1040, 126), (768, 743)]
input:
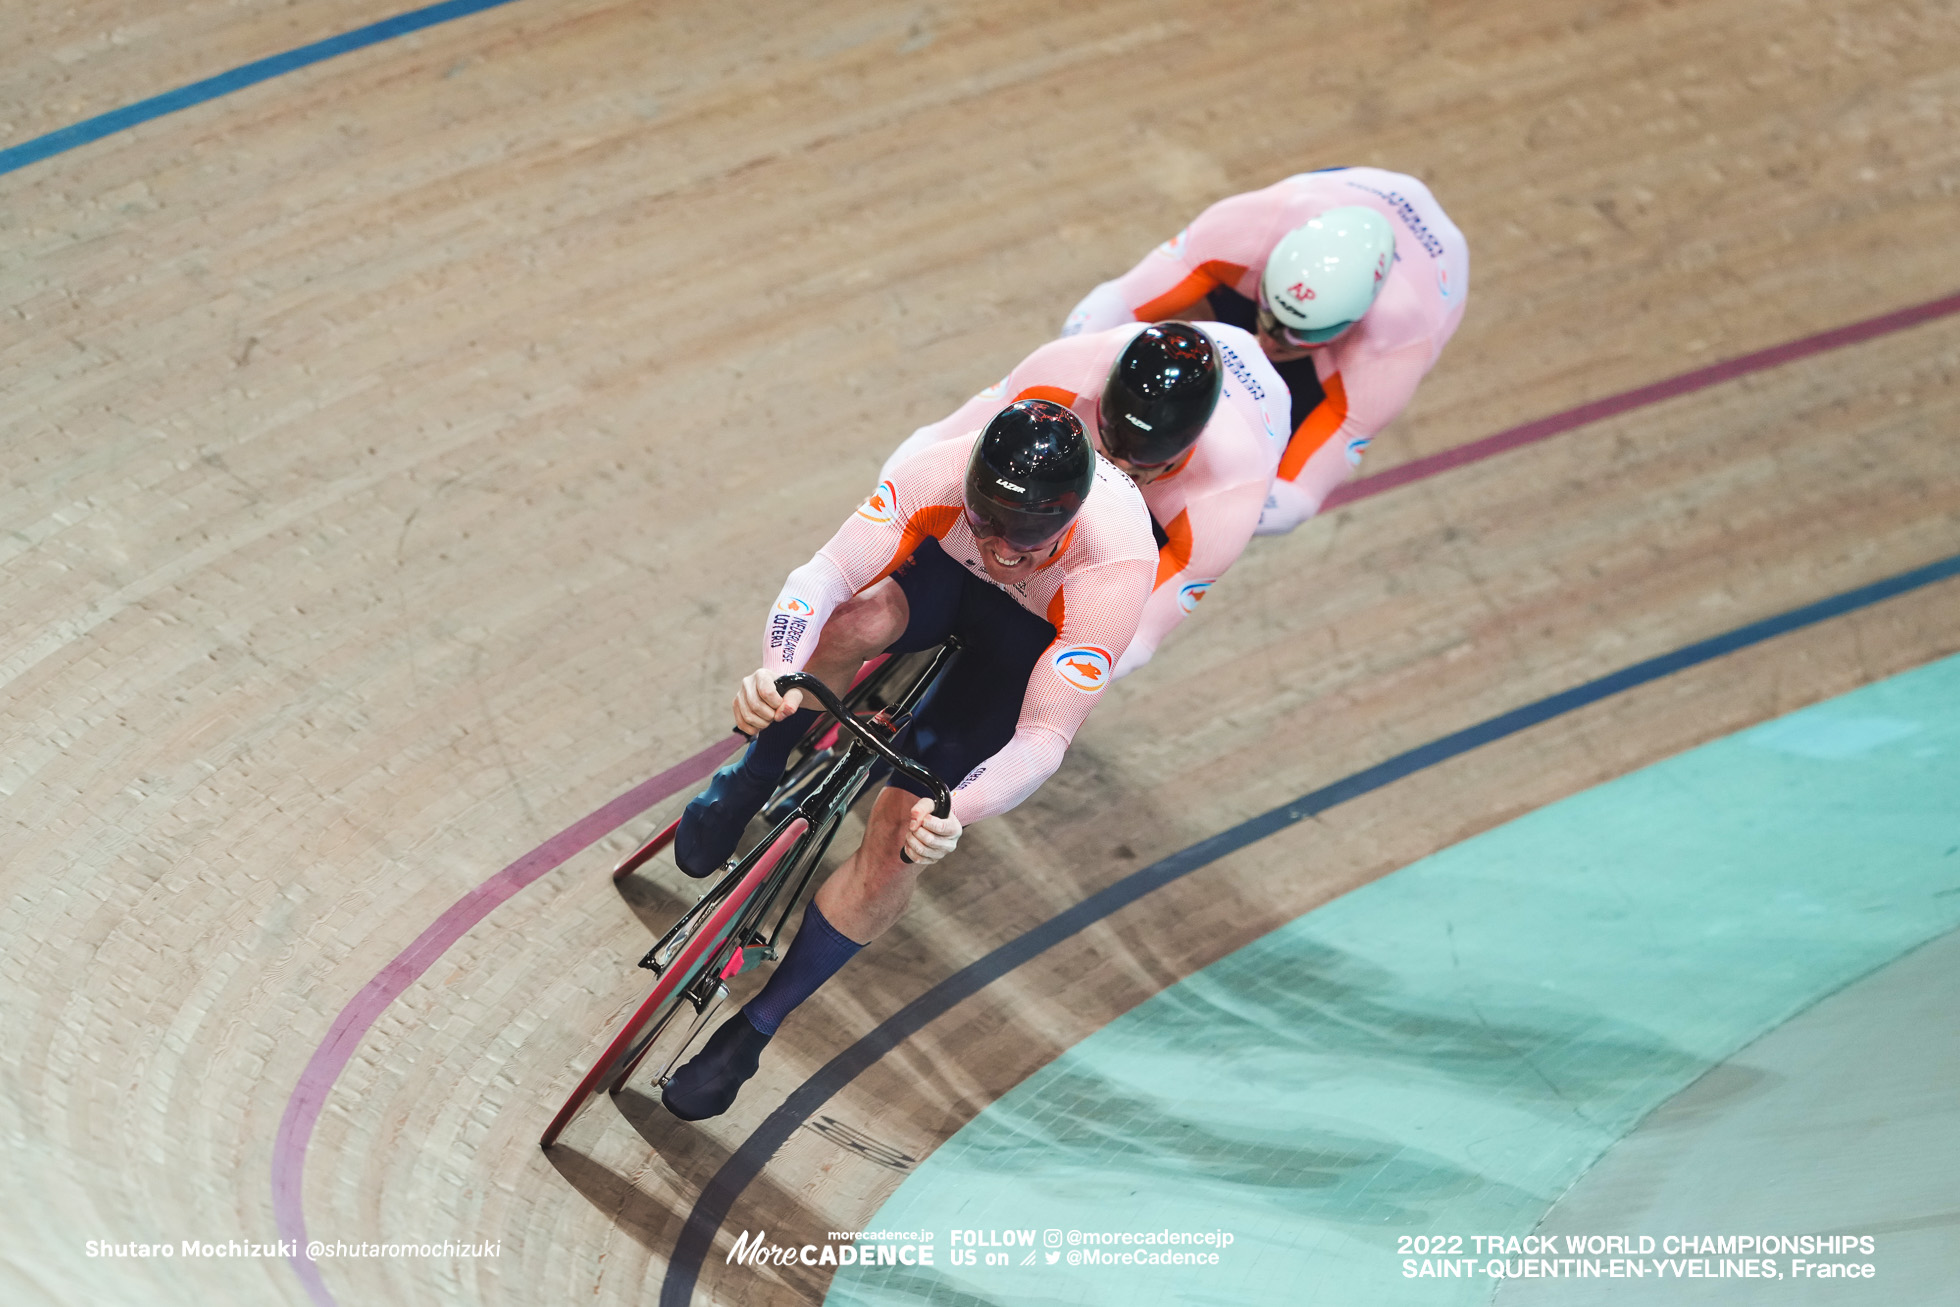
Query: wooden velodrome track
[(399, 455)]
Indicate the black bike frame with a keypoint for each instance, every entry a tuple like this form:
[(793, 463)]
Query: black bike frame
[(823, 809)]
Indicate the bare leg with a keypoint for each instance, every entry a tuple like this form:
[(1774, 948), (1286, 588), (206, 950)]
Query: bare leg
[(859, 629), (865, 896)]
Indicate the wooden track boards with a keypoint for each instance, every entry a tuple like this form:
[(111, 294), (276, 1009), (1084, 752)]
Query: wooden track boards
[(398, 455)]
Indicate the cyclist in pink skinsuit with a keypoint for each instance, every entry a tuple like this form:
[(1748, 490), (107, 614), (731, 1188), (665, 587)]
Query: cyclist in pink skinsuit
[(1205, 505), (1031, 550), (1344, 388), (1085, 598)]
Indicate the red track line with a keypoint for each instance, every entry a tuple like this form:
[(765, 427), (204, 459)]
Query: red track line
[(331, 1057), (309, 1096), (1628, 400)]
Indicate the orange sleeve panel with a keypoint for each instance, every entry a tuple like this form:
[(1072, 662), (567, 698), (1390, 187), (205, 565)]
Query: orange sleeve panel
[(934, 521), (1053, 394), (1176, 553), (1320, 424), (1057, 610), (1193, 288)]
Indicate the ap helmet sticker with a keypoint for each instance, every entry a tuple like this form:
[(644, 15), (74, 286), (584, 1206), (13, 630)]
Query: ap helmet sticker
[(1085, 667), (882, 506)]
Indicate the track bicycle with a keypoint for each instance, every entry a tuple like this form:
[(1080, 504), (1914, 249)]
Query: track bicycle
[(727, 931)]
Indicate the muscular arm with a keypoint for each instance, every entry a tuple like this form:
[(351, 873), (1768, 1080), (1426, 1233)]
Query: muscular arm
[(920, 498), (1100, 610), (1172, 278), (1204, 540)]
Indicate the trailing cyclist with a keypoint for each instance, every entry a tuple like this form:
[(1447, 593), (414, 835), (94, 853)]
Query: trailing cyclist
[(1196, 416), (1354, 279)]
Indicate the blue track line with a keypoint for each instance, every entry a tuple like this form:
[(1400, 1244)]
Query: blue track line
[(184, 97), (747, 1162)]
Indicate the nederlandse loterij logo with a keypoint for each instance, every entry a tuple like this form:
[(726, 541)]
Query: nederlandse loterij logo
[(1189, 595), (1085, 667), (882, 506), (794, 607)]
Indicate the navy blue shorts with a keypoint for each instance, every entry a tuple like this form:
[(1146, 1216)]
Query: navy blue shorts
[(970, 715)]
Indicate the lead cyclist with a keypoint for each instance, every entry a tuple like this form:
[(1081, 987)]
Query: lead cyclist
[(1038, 555)]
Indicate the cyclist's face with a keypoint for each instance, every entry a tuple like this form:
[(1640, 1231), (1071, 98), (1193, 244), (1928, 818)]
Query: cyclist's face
[(1282, 351), (1283, 347), (1011, 566), (1144, 473)]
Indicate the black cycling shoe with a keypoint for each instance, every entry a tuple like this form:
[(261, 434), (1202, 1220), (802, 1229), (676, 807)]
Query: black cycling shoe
[(707, 1085), (712, 825)]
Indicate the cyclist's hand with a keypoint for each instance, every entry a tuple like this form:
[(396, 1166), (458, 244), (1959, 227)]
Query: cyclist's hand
[(929, 838), (757, 704)]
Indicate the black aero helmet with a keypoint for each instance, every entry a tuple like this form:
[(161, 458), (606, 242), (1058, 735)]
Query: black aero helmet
[(1030, 471), (1160, 393)]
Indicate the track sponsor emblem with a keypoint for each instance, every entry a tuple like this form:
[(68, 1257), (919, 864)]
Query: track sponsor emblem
[(882, 506), (1085, 667), (1189, 594)]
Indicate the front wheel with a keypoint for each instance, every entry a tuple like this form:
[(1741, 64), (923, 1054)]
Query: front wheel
[(704, 947)]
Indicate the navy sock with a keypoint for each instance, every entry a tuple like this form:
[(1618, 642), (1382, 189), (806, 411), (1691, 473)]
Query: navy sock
[(769, 753), (814, 956)]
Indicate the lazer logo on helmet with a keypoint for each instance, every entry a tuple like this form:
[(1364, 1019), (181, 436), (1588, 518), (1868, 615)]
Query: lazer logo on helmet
[(1137, 421), (1189, 595), (882, 506), (1085, 667), (1005, 484)]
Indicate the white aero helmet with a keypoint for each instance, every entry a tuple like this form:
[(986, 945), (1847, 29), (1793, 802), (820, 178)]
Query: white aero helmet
[(1322, 277)]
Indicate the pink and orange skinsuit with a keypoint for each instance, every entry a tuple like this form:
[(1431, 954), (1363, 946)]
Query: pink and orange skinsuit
[(1367, 375), (1207, 507), (1092, 591)]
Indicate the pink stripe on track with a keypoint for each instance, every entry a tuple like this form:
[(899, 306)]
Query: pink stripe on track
[(331, 1057), (310, 1095), (1626, 401)]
